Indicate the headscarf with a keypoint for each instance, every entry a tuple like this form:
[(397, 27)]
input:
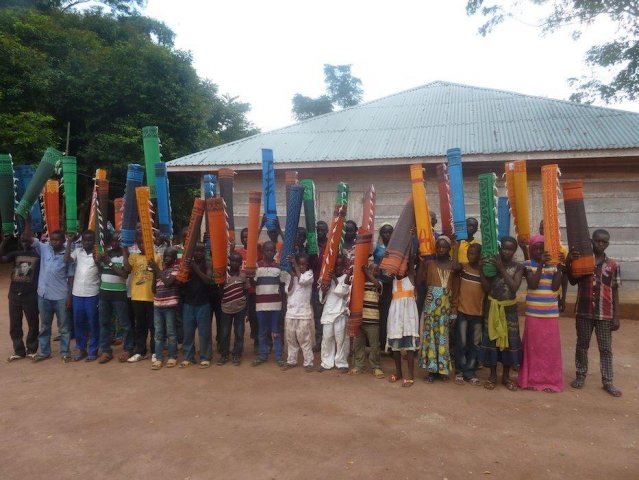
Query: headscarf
[(446, 239), (535, 239)]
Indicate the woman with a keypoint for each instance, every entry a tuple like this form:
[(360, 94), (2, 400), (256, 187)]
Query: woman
[(541, 368), (438, 276)]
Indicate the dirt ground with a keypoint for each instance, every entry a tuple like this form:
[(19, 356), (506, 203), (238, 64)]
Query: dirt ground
[(64, 421)]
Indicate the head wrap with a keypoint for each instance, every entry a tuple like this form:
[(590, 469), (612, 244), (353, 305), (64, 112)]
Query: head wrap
[(446, 239), (535, 239)]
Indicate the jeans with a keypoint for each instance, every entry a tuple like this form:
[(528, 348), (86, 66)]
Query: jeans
[(47, 308), (164, 319), (236, 322), (252, 316), (318, 308), (107, 308), (144, 321), (269, 325), (27, 304), (85, 314), (467, 341), (197, 316)]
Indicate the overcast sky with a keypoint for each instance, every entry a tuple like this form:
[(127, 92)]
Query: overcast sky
[(266, 51)]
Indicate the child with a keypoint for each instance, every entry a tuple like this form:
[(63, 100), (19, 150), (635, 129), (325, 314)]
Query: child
[(142, 281), (299, 314), (335, 345), (438, 276), (165, 306), (500, 336), (86, 289), (469, 316), (268, 304), (23, 298), (369, 329), (233, 311), (597, 309), (113, 299), (196, 310), (403, 325), (541, 368), (250, 294)]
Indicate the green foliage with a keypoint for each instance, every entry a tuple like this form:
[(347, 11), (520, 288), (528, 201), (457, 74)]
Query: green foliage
[(620, 55), (342, 90), (108, 76)]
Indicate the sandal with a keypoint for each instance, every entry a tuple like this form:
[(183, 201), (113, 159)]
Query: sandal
[(355, 371), (171, 362), (510, 385), (393, 378), (205, 364), (612, 390), (490, 385), (475, 382), (258, 361), (185, 364), (408, 382), (105, 358), (156, 364), (459, 379), (430, 378), (578, 382), (378, 373), (124, 357)]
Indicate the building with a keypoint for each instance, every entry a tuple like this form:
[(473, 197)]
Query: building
[(373, 143)]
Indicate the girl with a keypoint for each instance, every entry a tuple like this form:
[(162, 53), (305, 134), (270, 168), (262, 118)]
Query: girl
[(500, 335), (403, 325), (541, 368), (385, 232), (438, 276)]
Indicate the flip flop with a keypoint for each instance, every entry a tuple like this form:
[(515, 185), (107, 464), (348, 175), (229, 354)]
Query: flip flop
[(490, 385), (408, 382), (393, 378)]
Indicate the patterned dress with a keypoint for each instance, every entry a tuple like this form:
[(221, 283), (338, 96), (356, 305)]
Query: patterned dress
[(436, 317)]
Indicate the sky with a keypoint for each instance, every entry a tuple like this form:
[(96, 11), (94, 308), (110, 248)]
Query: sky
[(264, 52)]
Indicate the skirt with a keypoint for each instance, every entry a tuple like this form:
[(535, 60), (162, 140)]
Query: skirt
[(489, 354), (435, 351), (541, 367)]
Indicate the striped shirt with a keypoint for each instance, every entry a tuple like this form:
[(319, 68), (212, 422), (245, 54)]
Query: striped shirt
[(267, 286), (471, 293), (234, 298), (370, 313), (109, 280), (167, 297), (541, 302)]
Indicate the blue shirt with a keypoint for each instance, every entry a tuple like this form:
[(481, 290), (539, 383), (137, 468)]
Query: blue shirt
[(54, 272)]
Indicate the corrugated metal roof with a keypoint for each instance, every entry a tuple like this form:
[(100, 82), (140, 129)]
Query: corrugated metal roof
[(427, 120)]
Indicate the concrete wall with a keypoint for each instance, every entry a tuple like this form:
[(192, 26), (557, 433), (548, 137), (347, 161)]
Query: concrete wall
[(611, 197)]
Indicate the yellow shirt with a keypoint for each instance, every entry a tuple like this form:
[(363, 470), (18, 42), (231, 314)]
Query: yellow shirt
[(463, 249), (142, 278)]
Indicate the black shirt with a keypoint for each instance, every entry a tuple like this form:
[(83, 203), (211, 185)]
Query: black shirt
[(26, 269), (195, 291)]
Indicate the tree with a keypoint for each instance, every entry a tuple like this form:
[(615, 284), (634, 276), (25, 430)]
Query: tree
[(108, 76), (620, 55), (123, 7), (342, 90)]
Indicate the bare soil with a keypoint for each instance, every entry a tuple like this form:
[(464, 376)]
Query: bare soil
[(64, 421)]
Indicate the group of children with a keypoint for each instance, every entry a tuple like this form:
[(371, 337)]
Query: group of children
[(445, 311)]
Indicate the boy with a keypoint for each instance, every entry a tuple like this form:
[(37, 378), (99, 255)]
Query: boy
[(86, 288), (23, 298), (250, 295), (335, 345), (597, 309), (316, 265), (471, 227), (233, 311), (142, 280), (370, 325), (469, 316), (196, 310), (112, 298), (268, 279), (165, 305), (54, 295), (299, 314)]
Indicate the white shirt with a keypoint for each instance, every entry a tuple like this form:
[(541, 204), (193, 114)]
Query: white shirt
[(336, 300), (299, 297), (87, 277)]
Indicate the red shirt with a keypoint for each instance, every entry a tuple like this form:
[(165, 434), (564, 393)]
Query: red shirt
[(594, 292)]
